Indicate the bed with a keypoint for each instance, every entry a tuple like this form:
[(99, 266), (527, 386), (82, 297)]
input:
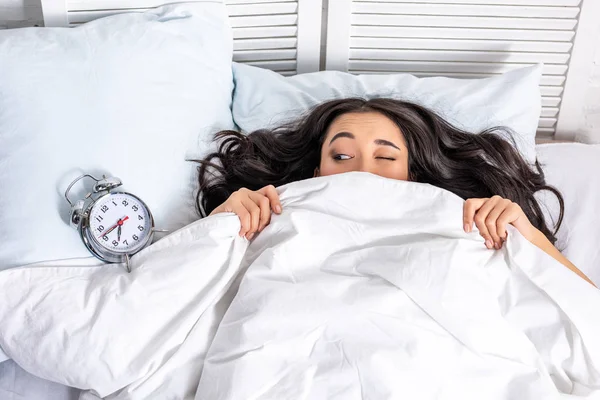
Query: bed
[(295, 37), (17, 384)]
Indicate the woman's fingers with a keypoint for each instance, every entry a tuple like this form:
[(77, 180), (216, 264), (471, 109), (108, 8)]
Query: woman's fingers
[(478, 211), (265, 209), (511, 214), (491, 216), (469, 209), (254, 211), (253, 208), (504, 219), (491, 221), (243, 214), (480, 221), (271, 193)]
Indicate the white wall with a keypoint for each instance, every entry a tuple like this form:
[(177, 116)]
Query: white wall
[(591, 112)]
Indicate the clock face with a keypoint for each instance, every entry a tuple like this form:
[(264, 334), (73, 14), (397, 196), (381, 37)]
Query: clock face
[(120, 223)]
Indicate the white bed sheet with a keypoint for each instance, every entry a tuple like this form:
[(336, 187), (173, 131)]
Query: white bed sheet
[(573, 169), (18, 384), (568, 167)]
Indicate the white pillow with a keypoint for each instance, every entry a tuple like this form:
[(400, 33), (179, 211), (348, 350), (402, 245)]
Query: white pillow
[(573, 169), (131, 96), (265, 99)]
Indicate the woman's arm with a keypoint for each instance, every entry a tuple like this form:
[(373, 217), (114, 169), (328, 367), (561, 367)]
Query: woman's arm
[(491, 215), (541, 241)]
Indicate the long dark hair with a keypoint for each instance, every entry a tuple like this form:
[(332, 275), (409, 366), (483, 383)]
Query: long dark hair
[(468, 165)]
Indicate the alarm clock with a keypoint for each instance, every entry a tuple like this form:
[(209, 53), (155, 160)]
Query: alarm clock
[(113, 225)]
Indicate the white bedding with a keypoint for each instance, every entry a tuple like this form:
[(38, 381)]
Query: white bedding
[(572, 168), (363, 287)]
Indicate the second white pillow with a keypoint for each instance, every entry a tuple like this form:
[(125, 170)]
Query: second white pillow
[(264, 99)]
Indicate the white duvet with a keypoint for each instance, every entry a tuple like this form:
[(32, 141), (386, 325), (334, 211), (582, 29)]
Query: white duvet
[(364, 288)]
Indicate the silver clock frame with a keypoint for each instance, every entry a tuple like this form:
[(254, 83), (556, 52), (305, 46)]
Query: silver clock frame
[(100, 251), (80, 213)]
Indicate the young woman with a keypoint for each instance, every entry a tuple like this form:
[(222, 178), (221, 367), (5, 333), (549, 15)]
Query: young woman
[(390, 138)]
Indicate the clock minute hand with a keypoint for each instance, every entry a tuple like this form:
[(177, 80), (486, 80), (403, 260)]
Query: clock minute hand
[(109, 231), (112, 228)]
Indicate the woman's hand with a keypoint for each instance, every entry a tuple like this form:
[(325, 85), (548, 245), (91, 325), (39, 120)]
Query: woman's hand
[(491, 215), (253, 208)]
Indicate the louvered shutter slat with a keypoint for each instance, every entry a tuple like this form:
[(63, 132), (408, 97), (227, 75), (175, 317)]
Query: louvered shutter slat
[(451, 21), (411, 32), (463, 56), (459, 39), (462, 10), (465, 44)]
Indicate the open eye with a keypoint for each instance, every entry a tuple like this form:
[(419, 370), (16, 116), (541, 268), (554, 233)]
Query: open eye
[(341, 157)]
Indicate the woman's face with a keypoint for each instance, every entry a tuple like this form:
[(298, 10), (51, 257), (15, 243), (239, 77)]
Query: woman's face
[(366, 141)]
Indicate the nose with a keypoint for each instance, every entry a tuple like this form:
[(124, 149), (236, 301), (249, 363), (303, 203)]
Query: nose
[(367, 166)]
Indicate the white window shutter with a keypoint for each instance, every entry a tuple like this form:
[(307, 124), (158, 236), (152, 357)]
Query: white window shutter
[(55, 13), (310, 13), (457, 38), (281, 35)]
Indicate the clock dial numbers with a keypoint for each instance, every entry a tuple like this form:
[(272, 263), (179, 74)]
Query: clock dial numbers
[(119, 222)]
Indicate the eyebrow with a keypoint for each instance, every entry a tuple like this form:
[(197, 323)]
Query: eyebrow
[(341, 135), (383, 142), (380, 142)]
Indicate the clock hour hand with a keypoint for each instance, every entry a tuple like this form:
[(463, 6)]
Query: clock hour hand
[(119, 234)]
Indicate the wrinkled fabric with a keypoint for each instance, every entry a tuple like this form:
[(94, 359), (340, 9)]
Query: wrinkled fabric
[(364, 288), (369, 288)]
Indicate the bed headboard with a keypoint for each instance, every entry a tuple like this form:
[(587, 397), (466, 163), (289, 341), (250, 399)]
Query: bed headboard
[(455, 38), (266, 32)]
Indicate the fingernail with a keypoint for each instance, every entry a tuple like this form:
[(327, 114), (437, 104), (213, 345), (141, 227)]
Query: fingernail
[(488, 244), (466, 228), (278, 208), (250, 236), (497, 246)]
